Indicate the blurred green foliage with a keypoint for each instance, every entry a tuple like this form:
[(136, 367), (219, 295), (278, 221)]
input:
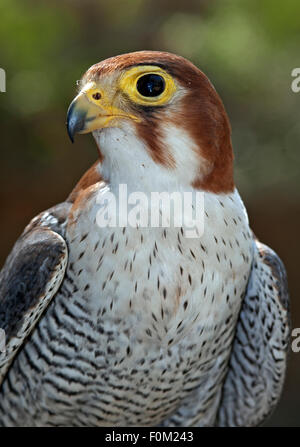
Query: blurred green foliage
[(247, 48)]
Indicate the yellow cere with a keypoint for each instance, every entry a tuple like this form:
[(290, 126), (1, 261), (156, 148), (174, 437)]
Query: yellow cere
[(128, 83), (92, 89)]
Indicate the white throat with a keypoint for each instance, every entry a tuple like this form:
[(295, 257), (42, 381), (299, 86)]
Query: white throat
[(127, 161)]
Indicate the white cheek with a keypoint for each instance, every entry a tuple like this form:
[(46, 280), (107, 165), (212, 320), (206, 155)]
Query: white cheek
[(127, 159), (189, 163)]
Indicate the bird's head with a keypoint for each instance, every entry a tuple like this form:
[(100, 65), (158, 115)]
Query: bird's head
[(155, 115)]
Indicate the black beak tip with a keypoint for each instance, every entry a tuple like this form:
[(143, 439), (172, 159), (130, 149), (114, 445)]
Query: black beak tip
[(70, 133), (75, 120)]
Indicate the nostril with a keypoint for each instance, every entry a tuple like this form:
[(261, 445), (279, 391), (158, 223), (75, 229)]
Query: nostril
[(97, 96)]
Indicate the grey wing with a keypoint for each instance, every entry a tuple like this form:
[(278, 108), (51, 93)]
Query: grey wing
[(30, 278), (258, 359)]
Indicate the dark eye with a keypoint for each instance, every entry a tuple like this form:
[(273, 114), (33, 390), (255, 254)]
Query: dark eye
[(97, 96), (150, 85)]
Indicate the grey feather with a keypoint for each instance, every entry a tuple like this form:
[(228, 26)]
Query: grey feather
[(257, 365), (30, 278)]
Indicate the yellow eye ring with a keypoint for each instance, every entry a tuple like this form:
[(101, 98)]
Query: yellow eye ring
[(130, 79)]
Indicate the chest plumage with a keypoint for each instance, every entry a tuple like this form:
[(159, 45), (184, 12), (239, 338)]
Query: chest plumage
[(146, 308), (144, 316), (156, 279)]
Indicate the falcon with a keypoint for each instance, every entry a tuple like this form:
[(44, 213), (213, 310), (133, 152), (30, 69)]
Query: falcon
[(143, 326)]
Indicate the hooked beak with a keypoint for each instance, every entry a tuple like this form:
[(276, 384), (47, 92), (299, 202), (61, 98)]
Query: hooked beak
[(76, 118), (85, 115)]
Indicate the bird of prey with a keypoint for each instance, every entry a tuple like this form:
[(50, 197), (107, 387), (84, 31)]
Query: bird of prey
[(141, 325)]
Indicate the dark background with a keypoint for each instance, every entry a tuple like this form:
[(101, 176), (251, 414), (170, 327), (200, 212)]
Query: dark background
[(248, 49)]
